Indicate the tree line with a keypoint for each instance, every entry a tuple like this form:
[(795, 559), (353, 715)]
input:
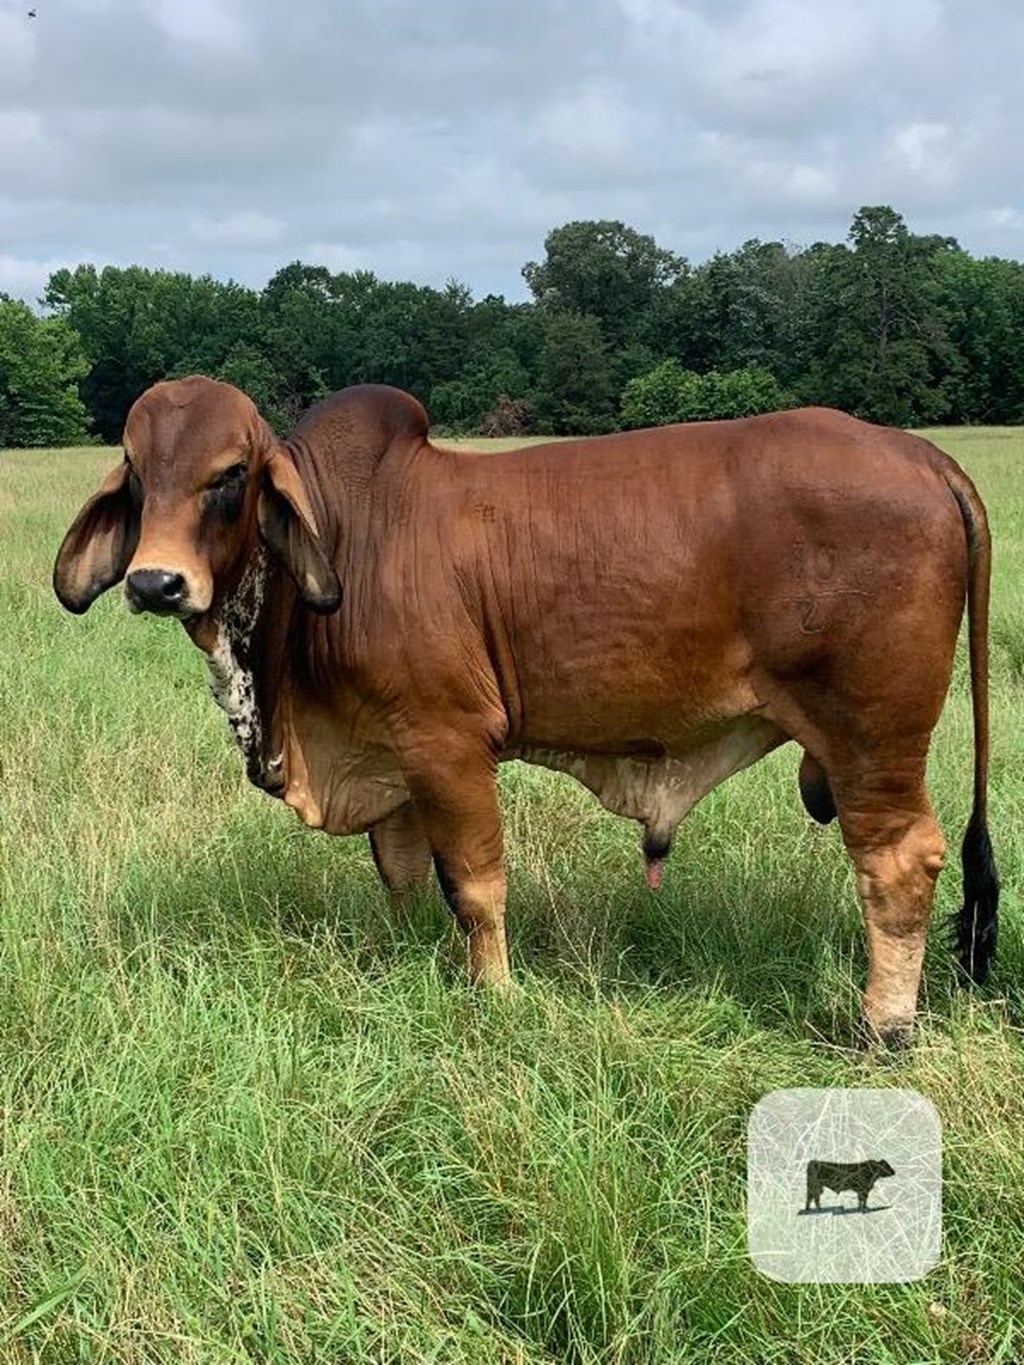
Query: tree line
[(890, 325)]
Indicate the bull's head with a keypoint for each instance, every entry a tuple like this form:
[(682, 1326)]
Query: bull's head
[(203, 477)]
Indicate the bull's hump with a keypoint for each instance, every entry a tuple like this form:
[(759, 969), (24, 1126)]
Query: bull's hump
[(393, 412)]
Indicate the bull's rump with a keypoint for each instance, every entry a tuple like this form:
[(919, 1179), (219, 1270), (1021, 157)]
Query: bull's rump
[(649, 582)]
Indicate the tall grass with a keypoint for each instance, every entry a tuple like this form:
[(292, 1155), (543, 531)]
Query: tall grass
[(245, 1115)]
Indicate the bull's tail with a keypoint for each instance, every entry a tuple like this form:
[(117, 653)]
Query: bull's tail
[(976, 923)]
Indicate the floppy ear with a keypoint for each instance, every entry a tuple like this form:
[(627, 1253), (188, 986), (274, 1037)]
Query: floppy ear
[(98, 548), (289, 528)]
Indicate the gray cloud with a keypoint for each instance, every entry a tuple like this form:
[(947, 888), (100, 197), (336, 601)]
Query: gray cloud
[(423, 142)]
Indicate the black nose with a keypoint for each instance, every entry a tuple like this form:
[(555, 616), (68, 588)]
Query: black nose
[(272, 782), (156, 590)]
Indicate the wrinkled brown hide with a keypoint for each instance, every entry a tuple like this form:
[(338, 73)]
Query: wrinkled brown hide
[(649, 611)]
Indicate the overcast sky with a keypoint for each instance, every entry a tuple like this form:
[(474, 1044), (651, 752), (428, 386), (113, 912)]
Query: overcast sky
[(424, 139)]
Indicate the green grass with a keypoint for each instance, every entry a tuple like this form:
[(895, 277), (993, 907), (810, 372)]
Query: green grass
[(245, 1116)]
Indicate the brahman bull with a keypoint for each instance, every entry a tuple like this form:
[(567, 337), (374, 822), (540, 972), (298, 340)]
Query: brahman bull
[(385, 621)]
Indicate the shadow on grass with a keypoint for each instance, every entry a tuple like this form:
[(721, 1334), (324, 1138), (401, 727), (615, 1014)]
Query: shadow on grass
[(840, 1209), (789, 955)]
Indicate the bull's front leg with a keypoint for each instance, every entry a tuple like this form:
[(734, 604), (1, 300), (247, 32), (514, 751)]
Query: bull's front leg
[(402, 854), (454, 785)]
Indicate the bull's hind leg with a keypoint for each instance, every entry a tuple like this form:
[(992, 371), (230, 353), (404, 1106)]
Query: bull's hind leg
[(897, 850)]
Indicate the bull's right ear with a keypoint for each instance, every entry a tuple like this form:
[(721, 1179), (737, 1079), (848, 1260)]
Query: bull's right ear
[(98, 548)]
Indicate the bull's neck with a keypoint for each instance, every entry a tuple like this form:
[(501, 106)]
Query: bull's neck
[(261, 640)]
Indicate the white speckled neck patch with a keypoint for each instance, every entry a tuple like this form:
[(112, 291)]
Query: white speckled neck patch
[(231, 679)]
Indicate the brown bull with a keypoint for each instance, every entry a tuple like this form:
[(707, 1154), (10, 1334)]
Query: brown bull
[(650, 612)]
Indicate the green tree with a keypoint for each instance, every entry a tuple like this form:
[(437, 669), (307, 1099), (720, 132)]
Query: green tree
[(982, 306), (748, 307), (306, 330), (460, 405), (576, 389), (502, 349), (41, 361), (138, 326), (414, 337), (670, 393), (880, 346), (248, 369), (889, 325), (603, 268)]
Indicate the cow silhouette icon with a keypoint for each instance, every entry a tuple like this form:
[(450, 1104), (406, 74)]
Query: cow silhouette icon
[(840, 1176)]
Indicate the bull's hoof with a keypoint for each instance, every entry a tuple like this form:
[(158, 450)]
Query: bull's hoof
[(492, 978), (891, 1035)]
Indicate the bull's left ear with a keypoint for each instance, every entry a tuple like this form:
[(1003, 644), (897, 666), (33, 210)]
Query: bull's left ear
[(289, 528)]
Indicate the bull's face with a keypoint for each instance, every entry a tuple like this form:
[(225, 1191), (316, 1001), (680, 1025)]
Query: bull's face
[(882, 1168), (203, 477)]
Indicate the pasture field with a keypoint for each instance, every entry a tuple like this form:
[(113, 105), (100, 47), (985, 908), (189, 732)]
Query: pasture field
[(245, 1116)]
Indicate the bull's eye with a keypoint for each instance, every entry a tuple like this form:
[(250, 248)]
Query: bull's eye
[(134, 485), (231, 478), (225, 495)]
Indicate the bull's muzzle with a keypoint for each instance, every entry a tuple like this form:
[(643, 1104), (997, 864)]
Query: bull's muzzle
[(158, 591), (269, 776)]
